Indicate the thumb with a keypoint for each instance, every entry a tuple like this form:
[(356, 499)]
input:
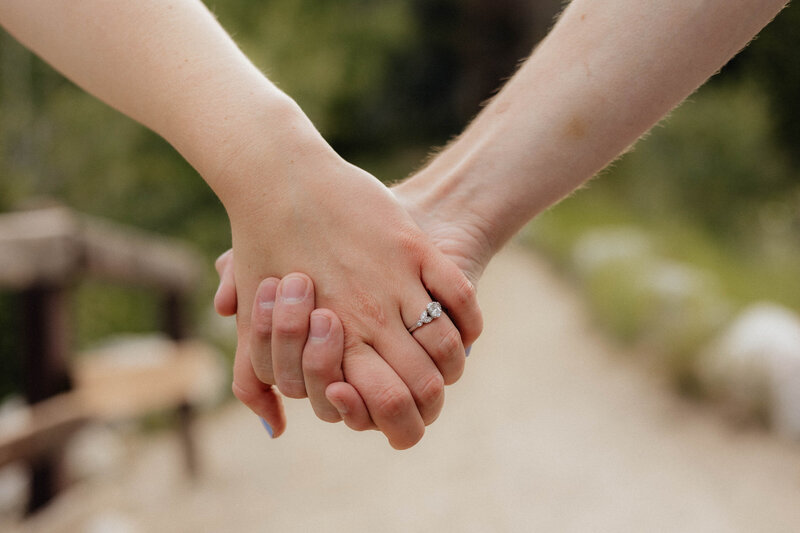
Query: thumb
[(260, 397)]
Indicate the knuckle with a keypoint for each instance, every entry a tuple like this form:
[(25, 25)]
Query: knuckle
[(351, 342), (263, 371), (329, 415), (466, 297), (262, 329), (358, 424), (451, 358), (240, 394), (449, 344), (472, 333), (292, 387), (411, 241), (291, 329), (247, 397), (431, 390), (393, 402), (408, 439), (465, 292), (370, 312), (431, 417), (316, 365)]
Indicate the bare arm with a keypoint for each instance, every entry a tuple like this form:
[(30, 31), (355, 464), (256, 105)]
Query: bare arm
[(606, 73), (166, 64), (294, 204)]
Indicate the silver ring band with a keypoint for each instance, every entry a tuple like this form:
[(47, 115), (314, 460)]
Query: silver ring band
[(432, 311)]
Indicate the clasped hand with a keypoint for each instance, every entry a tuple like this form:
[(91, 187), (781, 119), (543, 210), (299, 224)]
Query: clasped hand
[(373, 270)]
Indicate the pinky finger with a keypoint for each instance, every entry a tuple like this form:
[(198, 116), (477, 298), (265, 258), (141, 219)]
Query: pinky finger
[(447, 284), (350, 405), (261, 398)]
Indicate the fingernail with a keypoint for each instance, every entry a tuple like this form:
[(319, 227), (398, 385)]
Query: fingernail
[(320, 328), (339, 405), (469, 348), (293, 289), (268, 428), (266, 297)]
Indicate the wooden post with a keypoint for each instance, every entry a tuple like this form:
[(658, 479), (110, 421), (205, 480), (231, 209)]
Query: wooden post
[(175, 327), (186, 432), (45, 326), (174, 316), (42, 253)]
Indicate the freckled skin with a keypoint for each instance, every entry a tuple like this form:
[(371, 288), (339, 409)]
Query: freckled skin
[(575, 129), (370, 307)]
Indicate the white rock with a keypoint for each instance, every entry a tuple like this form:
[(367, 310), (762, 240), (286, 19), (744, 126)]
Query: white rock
[(14, 415), (94, 450), (111, 522), (14, 480), (14, 487), (674, 282), (756, 364)]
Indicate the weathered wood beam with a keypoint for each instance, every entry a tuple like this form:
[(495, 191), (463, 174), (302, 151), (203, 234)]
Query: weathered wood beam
[(55, 246)]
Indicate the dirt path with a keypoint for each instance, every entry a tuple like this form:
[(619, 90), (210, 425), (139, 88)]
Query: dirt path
[(549, 430)]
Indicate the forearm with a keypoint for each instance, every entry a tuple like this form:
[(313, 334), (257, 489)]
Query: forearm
[(168, 65), (608, 71)]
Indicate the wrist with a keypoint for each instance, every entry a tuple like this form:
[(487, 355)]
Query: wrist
[(251, 147), (467, 188), (524, 152), (441, 204)]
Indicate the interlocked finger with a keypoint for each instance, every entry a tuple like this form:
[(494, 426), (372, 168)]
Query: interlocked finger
[(322, 361), (389, 401), (439, 337), (450, 286), (260, 338), (410, 361), (293, 305)]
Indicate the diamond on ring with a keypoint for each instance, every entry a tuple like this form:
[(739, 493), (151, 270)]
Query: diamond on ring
[(433, 310)]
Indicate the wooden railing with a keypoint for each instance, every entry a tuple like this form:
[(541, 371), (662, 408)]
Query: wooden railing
[(43, 255)]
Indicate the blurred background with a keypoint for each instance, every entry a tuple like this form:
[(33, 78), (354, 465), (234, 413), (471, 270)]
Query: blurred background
[(669, 246)]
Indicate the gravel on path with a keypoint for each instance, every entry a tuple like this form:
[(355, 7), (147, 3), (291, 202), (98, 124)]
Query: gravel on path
[(551, 428)]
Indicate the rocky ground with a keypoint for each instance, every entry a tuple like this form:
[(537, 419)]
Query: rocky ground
[(552, 428)]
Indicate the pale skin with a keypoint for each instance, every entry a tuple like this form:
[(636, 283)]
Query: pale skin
[(607, 72), (294, 204)]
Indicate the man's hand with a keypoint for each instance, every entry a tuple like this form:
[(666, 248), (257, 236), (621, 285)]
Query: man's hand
[(370, 264), (461, 240)]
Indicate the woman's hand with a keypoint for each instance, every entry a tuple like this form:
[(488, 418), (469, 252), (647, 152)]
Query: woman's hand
[(320, 357), (461, 238), (371, 266)]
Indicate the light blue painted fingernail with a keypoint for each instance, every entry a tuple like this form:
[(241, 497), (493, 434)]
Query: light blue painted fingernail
[(268, 428), (469, 348)]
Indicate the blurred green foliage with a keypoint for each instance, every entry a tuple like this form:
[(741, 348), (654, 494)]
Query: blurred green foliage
[(717, 160), (383, 81), (773, 62), (331, 57), (377, 78), (716, 190)]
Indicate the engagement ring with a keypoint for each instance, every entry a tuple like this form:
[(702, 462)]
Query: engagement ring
[(434, 310)]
